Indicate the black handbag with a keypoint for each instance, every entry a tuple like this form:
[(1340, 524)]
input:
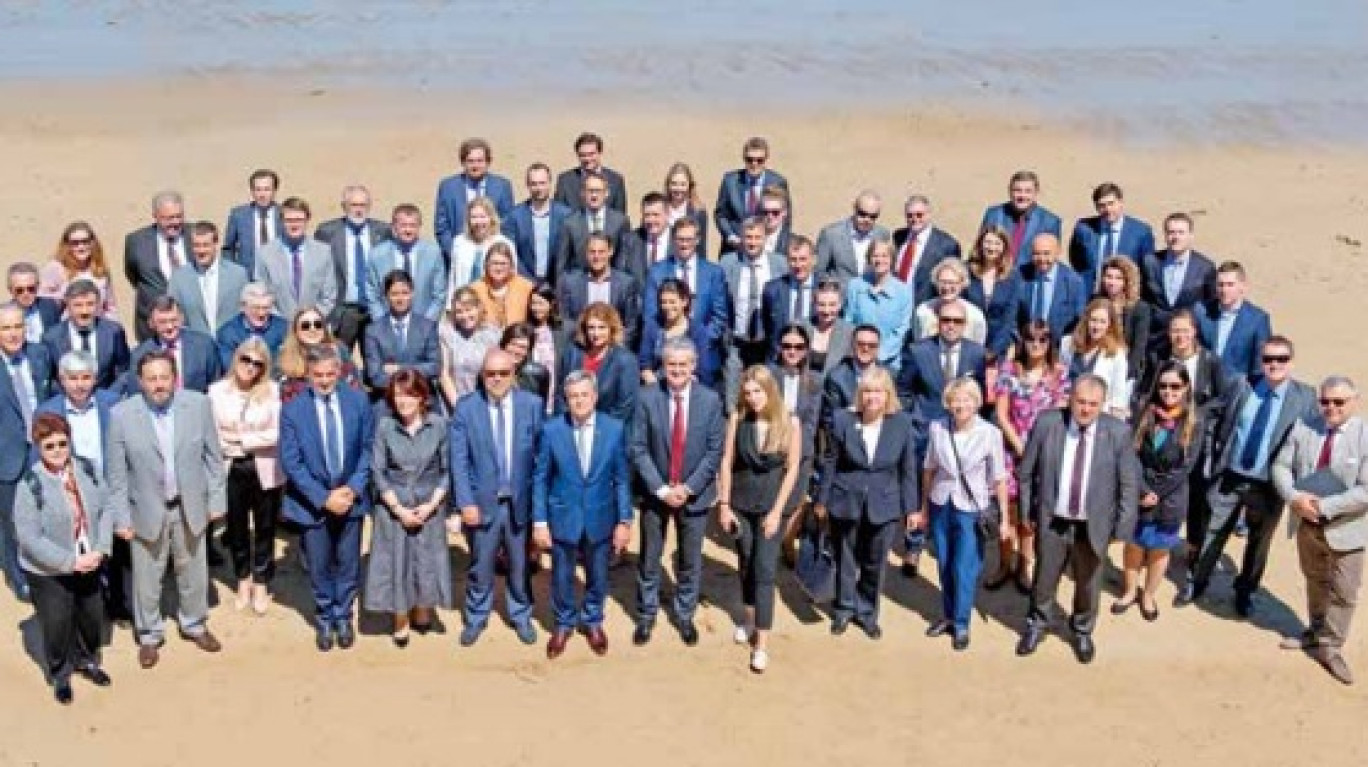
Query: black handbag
[(989, 518), (816, 564)]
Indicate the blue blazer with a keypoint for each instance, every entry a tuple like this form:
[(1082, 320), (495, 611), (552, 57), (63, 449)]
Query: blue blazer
[(1199, 286), (449, 213), (429, 278), (104, 402), (921, 382), (240, 235), (1001, 311), (1038, 221), (940, 245), (730, 209), (838, 390), (111, 350), (381, 346), (1067, 301), (12, 431), (1243, 353), (200, 363), (518, 227), (235, 331), (474, 467), (301, 455), (776, 300), (711, 302), (712, 353), (1085, 246), (618, 380), (880, 488), (49, 310), (703, 437), (575, 505)]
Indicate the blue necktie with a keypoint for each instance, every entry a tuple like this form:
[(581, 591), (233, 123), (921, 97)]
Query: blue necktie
[(332, 444), (401, 333), (1249, 452), (406, 253), (501, 448), (358, 261), (1107, 238), (1038, 300)]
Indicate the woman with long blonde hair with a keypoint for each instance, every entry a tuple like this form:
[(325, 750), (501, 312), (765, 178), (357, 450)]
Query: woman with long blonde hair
[(682, 201)]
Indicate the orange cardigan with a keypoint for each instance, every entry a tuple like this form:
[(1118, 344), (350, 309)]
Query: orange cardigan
[(513, 307)]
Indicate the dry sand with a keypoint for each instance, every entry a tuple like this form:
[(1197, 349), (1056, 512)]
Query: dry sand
[(1198, 686)]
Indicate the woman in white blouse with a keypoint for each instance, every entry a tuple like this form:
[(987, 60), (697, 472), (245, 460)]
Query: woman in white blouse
[(468, 249), (1098, 347), (951, 278), (246, 405), (964, 473)]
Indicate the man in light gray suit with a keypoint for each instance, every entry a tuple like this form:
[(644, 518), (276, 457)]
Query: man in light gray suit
[(297, 268), (1322, 474), (747, 271), (166, 484), (208, 288), (843, 247), (1079, 487), (421, 259)]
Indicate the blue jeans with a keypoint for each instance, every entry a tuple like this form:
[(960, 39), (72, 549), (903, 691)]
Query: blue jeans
[(959, 556)]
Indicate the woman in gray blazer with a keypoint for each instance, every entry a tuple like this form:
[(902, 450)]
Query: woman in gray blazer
[(65, 531)]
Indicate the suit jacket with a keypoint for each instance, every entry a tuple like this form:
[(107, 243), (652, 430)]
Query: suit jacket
[(712, 352), (624, 293), (619, 380), (635, 256), (809, 409), (422, 351), (575, 504), (1243, 353), (104, 405), (1085, 246), (1001, 311), (1199, 285), (940, 245), (333, 233), (574, 239), (1113, 485), (318, 283), (200, 363), (878, 488), (921, 382), (240, 234), (703, 437), (449, 212), (730, 210), (185, 288), (134, 465), (111, 351), (570, 182), (836, 251), (13, 431), (1211, 387), (235, 331), (1067, 302), (142, 268), (712, 305), (474, 458), (429, 278), (1136, 322), (838, 390), (1038, 221), (307, 482), (50, 311), (43, 530), (838, 346), (520, 229), (776, 303), (1299, 404), (1346, 513), (734, 270)]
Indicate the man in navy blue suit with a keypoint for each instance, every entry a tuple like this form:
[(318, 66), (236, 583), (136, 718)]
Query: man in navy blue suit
[(1021, 217), (739, 195), (253, 224), (919, 246), (790, 297), (600, 282), (325, 450), (1051, 291), (401, 338), (581, 508), (1233, 327), (650, 243), (24, 383), (84, 329), (454, 193), (197, 358), (494, 434), (1110, 233), (1177, 277), (708, 284), (39, 313), (569, 184), (930, 364), (535, 225)]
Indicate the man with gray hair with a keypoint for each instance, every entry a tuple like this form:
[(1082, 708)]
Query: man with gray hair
[(919, 247), (843, 247), (40, 312), (24, 372), (351, 237), (1322, 475), (153, 253), (257, 318)]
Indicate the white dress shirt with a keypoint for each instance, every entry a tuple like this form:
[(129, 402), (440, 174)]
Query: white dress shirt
[(164, 260), (75, 337), (869, 434), (208, 285), (87, 438), (1066, 468), (745, 302)]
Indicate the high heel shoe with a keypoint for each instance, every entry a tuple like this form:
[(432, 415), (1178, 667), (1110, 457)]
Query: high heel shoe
[(1025, 573)]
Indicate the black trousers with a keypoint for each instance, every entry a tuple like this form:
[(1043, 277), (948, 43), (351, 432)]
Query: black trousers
[(861, 553), (71, 618), (757, 558), (1064, 543), (117, 571), (249, 528)]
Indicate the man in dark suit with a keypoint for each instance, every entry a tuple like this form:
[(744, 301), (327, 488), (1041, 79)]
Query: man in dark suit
[(454, 193), (711, 301), (1252, 430), (919, 246), (569, 184), (838, 390), (1021, 217), (739, 195), (207, 288), (535, 226), (1051, 291), (1232, 327), (400, 339), (774, 209), (676, 448), (581, 508), (84, 329), (197, 358), (24, 384), (930, 364), (254, 224), (325, 450), (39, 313), (1079, 490), (843, 246), (351, 238), (494, 434), (791, 296), (1175, 278), (1110, 233), (599, 282), (594, 216), (747, 271), (649, 243), (152, 253)]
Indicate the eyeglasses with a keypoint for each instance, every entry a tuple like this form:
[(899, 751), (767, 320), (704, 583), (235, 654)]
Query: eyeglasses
[(773, 212), (23, 289), (296, 219), (756, 159), (1038, 340), (74, 241), (952, 320), (1334, 401), (254, 362), (866, 214), (310, 325), (793, 347), (55, 445), (1280, 359), (1170, 386), (499, 373), (866, 344)]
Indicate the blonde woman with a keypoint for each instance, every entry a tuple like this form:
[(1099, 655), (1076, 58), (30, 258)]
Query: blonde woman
[(504, 293), (246, 405), (78, 256), (951, 279), (682, 201), (469, 248), (464, 337), (1097, 347), (310, 328), (760, 462)]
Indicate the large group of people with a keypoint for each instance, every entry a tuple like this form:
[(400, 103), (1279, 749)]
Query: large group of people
[(544, 377)]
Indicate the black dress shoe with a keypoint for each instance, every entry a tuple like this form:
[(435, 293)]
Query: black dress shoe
[(323, 637), (1244, 604), (688, 632), (961, 641), (400, 640), (642, 634), (346, 637), (870, 628), (95, 675), (1119, 608), (1189, 593), (62, 693), (940, 628), (1084, 649), (1030, 640), (909, 569), (839, 625)]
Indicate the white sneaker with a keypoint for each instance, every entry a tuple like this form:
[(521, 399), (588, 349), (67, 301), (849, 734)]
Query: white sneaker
[(741, 635), (759, 661)]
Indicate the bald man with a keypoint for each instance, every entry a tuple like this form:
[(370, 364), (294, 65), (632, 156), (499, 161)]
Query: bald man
[(843, 247)]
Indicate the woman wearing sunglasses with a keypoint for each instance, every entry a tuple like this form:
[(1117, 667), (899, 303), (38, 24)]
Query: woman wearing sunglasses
[(309, 329), (79, 256)]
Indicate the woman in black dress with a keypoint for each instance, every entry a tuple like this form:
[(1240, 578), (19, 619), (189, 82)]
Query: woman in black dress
[(801, 390)]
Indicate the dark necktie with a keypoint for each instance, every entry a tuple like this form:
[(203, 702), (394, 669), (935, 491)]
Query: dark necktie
[(501, 447), (1018, 234), (1076, 479), (172, 255), (1327, 448), (653, 249), (677, 428), (84, 333), (296, 267), (406, 257), (332, 443), (263, 231), (358, 260), (798, 303), (1108, 241), (753, 319), (1249, 451)]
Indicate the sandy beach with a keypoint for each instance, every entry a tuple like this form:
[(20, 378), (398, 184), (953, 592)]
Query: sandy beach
[(1197, 687)]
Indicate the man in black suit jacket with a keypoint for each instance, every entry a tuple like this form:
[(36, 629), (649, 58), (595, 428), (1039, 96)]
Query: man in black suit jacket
[(919, 246), (650, 242), (152, 253), (39, 313), (595, 216), (86, 330), (569, 184), (351, 237), (1175, 278), (197, 359), (838, 391), (573, 290), (741, 193), (791, 296)]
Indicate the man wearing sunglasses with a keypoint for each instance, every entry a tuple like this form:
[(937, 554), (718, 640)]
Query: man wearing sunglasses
[(40, 313), (1331, 519), (843, 247), (1254, 427), (740, 195)]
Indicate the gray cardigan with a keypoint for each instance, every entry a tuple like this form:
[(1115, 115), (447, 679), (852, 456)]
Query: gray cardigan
[(46, 546)]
